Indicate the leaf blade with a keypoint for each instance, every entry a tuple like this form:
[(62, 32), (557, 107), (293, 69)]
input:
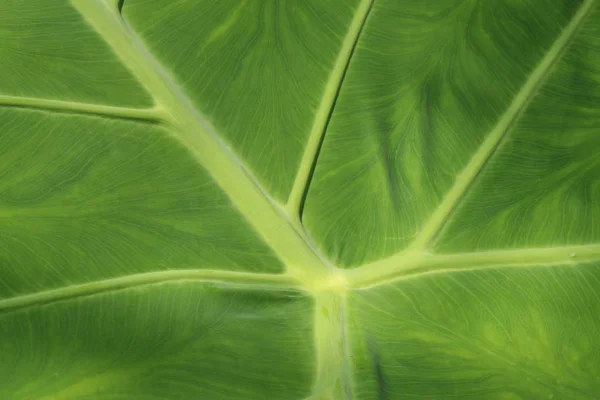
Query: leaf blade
[(381, 174), (172, 339), (494, 334)]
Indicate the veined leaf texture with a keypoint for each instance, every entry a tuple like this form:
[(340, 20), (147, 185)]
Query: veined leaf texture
[(299, 199)]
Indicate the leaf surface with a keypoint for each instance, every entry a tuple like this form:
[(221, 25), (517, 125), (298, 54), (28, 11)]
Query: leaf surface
[(351, 199)]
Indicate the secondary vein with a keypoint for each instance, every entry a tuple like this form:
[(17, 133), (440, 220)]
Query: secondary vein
[(324, 112), (231, 279), (495, 138), (418, 265), (152, 115)]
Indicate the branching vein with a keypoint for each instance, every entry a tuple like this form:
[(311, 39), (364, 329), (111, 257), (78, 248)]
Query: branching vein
[(324, 112), (221, 278), (417, 265), (152, 115)]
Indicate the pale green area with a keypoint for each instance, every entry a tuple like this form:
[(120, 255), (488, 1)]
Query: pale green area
[(173, 243)]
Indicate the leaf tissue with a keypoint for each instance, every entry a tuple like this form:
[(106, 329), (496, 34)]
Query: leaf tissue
[(299, 199)]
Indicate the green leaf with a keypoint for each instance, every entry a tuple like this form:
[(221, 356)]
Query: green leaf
[(345, 199)]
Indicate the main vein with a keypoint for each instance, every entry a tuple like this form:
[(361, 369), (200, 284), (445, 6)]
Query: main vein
[(417, 265), (333, 374), (193, 130), (500, 131), (223, 278), (152, 115), (331, 93)]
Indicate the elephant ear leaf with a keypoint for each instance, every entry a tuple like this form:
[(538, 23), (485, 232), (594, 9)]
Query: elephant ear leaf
[(344, 199)]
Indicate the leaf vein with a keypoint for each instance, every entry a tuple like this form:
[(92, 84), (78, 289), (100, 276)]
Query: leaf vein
[(228, 279), (151, 115)]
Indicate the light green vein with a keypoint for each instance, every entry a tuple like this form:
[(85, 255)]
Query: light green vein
[(230, 279), (417, 265), (311, 152), (229, 23), (494, 139), (333, 374), (153, 115), (193, 130)]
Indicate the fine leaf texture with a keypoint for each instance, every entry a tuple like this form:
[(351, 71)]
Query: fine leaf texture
[(345, 199)]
